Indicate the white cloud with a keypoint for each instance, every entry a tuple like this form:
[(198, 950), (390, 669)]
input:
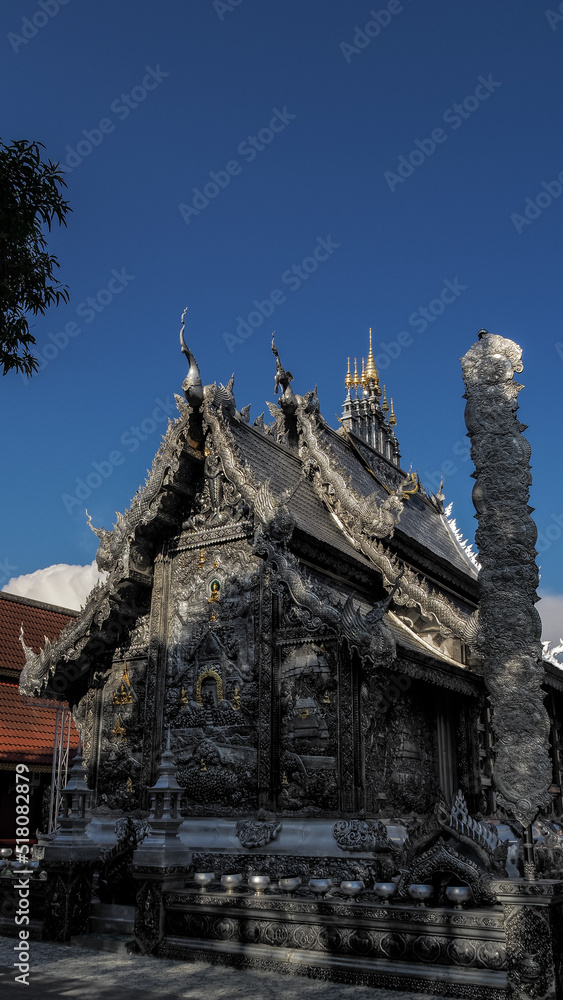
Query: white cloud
[(63, 585), (550, 608)]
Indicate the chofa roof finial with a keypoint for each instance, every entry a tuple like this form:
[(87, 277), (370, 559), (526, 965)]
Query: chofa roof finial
[(282, 378), (193, 389)]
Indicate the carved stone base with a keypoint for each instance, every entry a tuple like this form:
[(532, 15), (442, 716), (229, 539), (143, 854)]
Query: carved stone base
[(388, 975), (68, 895), (149, 913), (399, 946)]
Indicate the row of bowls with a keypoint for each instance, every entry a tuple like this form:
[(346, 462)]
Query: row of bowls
[(457, 894)]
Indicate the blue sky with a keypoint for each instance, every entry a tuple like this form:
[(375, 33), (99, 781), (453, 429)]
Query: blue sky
[(287, 123)]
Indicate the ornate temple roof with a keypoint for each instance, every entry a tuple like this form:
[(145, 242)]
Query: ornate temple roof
[(299, 478), (422, 526)]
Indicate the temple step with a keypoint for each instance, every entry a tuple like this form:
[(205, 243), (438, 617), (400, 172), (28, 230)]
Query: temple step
[(120, 944), (109, 918)]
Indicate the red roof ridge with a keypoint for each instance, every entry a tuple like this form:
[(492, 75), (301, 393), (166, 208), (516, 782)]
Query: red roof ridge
[(37, 604)]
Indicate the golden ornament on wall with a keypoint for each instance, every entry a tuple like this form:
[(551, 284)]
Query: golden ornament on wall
[(123, 694), (119, 731)]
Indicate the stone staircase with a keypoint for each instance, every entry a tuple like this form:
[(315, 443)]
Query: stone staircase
[(110, 929)]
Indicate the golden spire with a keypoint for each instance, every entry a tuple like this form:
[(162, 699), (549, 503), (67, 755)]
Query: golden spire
[(392, 417), (363, 380), (348, 379), (371, 370), (385, 404), (355, 380)]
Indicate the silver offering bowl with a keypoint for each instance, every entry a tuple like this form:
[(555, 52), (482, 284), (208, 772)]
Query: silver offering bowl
[(385, 889), (289, 884), (421, 893), (352, 887), (5, 852), (258, 883), (203, 879), (320, 886), (230, 882), (458, 894)]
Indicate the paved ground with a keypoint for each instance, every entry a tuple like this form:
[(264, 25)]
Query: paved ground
[(58, 971)]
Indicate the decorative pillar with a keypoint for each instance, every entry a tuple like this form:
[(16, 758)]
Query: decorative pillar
[(509, 628), (533, 928), (69, 860), (160, 863)]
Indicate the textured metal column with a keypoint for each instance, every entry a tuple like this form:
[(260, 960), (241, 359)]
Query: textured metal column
[(509, 628)]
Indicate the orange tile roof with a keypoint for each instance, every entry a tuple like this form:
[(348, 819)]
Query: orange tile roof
[(27, 725), (27, 729), (38, 620)]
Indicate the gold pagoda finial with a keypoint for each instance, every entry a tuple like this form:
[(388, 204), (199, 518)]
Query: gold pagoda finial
[(363, 379), (392, 417), (385, 404), (371, 370), (348, 379), (355, 380)]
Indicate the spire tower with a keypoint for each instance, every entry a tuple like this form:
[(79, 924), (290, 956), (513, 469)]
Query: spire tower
[(363, 414)]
